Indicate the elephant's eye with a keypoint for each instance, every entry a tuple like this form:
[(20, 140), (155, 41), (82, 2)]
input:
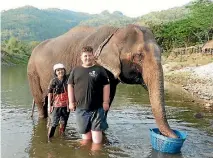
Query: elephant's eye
[(137, 57)]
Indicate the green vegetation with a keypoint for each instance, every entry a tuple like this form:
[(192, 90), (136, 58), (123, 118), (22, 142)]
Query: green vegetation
[(14, 51), (184, 26), (105, 18), (164, 16), (195, 28), (32, 24)]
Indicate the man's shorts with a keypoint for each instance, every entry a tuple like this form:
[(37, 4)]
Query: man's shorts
[(90, 120), (59, 113)]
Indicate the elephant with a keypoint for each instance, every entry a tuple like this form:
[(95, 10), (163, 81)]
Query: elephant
[(129, 54)]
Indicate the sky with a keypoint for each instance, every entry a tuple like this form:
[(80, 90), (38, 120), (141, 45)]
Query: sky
[(131, 8)]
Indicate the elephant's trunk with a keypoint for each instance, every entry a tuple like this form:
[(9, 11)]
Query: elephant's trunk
[(156, 95)]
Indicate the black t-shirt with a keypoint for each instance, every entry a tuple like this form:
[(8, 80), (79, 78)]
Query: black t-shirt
[(88, 86), (57, 86)]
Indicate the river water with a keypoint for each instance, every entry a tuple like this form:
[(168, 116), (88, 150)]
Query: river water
[(129, 120)]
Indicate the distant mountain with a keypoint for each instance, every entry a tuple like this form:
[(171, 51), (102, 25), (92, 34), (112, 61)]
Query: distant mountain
[(30, 23), (33, 24), (164, 16), (105, 18)]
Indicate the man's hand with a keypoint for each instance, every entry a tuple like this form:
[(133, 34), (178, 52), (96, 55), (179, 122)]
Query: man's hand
[(106, 106), (72, 106)]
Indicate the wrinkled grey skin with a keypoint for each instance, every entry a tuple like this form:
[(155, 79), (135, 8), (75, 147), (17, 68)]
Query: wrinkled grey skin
[(131, 56)]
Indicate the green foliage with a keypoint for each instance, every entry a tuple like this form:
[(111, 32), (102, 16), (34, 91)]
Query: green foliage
[(184, 26), (29, 23), (105, 18), (16, 51), (195, 28), (164, 16)]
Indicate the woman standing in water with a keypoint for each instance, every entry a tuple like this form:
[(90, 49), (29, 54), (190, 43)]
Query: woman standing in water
[(58, 100)]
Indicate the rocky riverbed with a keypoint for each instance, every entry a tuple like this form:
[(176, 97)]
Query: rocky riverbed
[(198, 80)]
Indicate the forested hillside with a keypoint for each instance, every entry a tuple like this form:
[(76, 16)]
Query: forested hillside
[(185, 26), (30, 23), (33, 24), (105, 18), (164, 16), (194, 28)]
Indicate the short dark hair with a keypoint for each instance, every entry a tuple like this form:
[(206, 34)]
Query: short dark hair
[(87, 49)]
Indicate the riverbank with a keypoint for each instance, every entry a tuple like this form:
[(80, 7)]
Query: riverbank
[(196, 77), (13, 59)]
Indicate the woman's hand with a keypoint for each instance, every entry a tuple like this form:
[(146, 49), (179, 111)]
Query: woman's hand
[(72, 106), (50, 109)]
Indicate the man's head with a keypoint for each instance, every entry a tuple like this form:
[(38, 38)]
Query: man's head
[(87, 56)]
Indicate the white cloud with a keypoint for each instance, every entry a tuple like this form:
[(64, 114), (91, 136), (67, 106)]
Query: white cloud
[(132, 8)]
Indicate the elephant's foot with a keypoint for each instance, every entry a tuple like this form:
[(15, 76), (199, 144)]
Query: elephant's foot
[(41, 114), (172, 135), (169, 133), (42, 111)]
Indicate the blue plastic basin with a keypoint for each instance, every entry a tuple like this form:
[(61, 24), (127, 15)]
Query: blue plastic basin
[(165, 144)]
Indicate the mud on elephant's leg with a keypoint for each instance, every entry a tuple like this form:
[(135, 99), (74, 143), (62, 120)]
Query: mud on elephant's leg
[(42, 108), (42, 112), (37, 93)]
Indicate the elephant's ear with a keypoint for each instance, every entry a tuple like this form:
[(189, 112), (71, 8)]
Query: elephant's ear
[(109, 58)]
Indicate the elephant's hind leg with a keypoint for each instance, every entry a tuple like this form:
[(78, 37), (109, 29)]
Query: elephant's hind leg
[(37, 94)]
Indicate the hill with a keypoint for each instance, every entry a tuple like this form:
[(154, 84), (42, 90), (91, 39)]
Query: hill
[(105, 18), (30, 23), (33, 24), (164, 16)]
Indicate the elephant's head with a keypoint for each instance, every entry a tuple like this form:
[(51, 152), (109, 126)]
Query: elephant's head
[(132, 55)]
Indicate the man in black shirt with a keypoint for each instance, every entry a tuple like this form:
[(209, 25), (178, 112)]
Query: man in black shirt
[(88, 92)]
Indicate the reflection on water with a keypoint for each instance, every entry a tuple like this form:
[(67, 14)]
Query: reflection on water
[(129, 121), (15, 89)]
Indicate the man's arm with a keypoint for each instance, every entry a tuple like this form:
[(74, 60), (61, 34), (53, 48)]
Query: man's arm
[(72, 102)]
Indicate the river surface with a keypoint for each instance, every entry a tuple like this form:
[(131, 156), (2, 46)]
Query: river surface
[(129, 120)]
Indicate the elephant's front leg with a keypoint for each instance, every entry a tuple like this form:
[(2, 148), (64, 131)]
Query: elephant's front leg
[(113, 85)]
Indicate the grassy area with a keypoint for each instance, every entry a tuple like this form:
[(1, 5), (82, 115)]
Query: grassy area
[(177, 78), (189, 60), (173, 63)]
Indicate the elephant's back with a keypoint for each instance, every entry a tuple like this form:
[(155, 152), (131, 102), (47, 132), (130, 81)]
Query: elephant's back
[(59, 48), (65, 49), (36, 52), (62, 42), (62, 49)]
